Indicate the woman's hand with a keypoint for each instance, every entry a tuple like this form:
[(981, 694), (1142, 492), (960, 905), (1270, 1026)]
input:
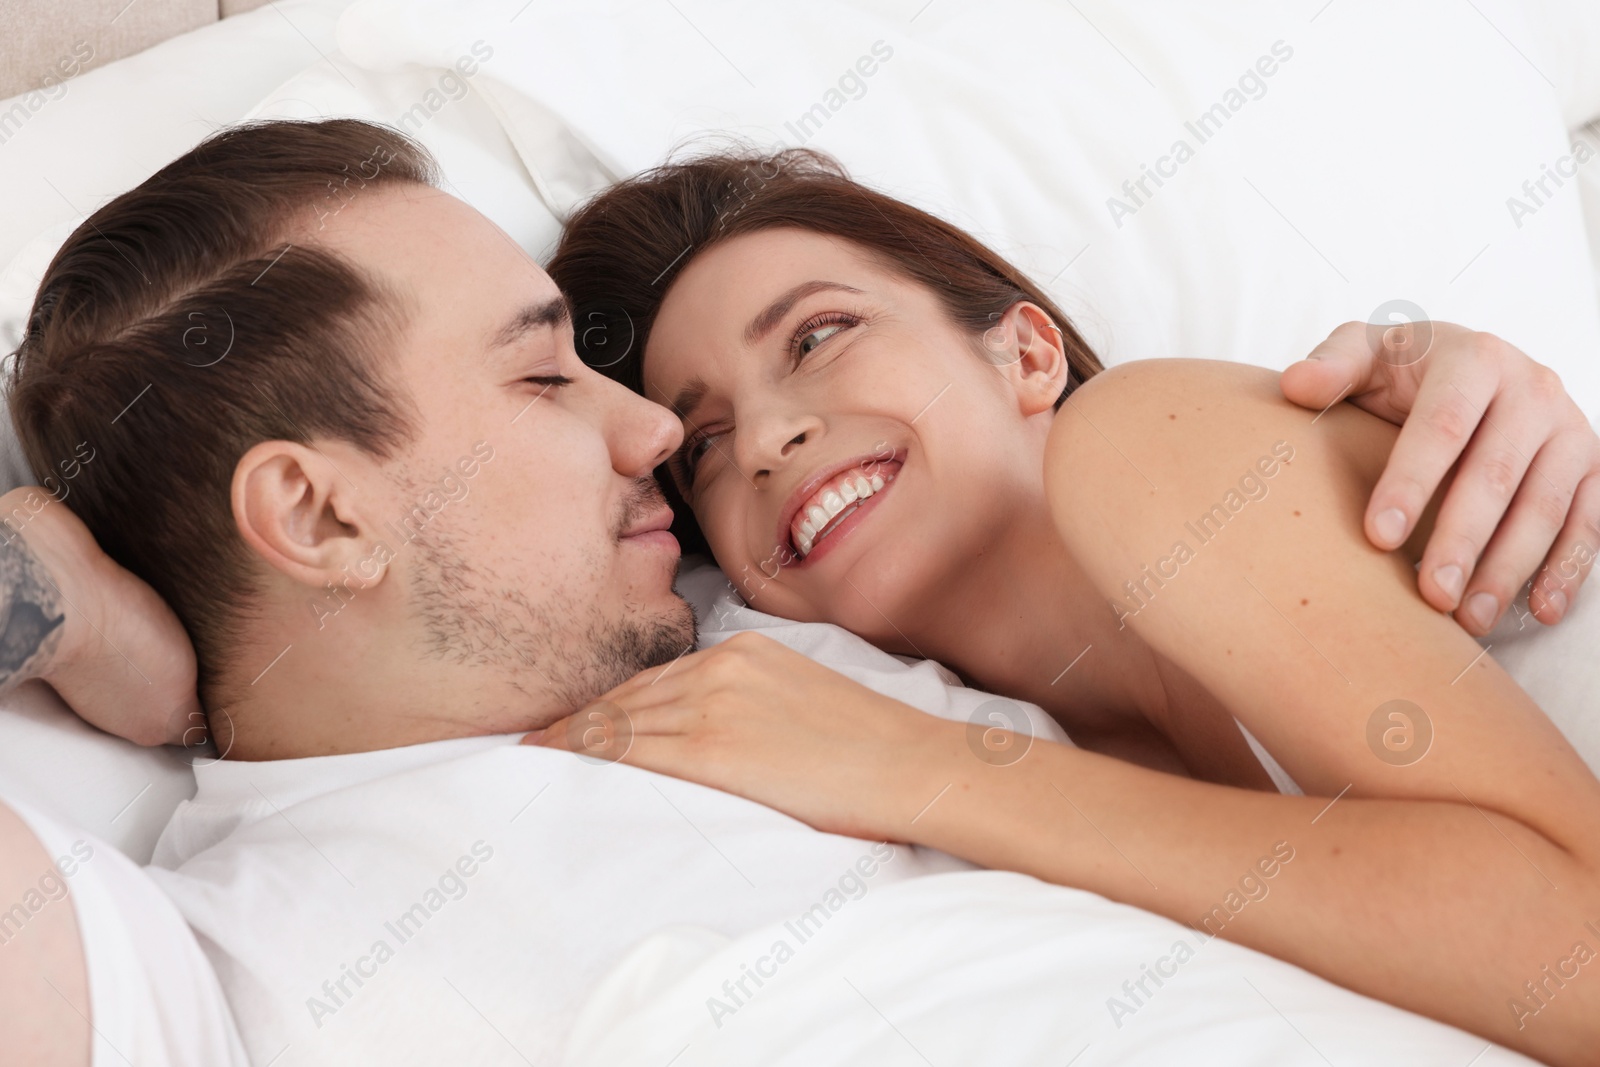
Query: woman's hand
[(1524, 507), (752, 717), (102, 638)]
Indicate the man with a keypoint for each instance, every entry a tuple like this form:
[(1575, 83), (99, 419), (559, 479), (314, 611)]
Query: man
[(340, 427)]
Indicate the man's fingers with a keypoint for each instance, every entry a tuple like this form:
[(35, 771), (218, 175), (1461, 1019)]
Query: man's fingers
[(1525, 533), (1555, 586), (1444, 416), (1495, 465), (1338, 368)]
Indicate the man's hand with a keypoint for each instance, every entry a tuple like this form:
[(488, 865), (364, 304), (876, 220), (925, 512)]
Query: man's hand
[(1524, 506), (102, 638)]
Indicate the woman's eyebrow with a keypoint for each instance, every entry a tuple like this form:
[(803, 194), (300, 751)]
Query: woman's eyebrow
[(773, 313), (689, 397)]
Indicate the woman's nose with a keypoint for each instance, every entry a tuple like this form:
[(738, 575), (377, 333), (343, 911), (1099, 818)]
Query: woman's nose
[(767, 448)]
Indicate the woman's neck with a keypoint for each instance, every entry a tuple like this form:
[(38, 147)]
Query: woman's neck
[(1022, 620)]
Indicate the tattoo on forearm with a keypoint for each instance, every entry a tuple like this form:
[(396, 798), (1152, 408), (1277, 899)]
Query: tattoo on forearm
[(30, 610)]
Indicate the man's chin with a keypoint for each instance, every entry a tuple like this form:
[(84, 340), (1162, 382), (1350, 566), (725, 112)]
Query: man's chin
[(638, 644)]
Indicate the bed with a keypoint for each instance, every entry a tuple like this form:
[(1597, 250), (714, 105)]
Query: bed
[(1335, 157)]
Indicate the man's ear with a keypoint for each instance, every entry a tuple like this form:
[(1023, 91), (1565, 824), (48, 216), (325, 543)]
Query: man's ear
[(300, 515), (1026, 346)]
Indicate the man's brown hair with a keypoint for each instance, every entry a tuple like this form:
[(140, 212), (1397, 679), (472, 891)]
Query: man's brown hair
[(194, 317), (621, 252)]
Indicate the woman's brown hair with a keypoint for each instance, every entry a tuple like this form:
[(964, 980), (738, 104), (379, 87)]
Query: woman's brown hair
[(622, 250)]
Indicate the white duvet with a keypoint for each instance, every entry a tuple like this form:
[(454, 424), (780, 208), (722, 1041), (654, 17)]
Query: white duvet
[(988, 967)]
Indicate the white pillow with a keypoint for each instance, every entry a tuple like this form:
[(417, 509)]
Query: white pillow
[(109, 130), (443, 110), (56, 762), (1374, 162)]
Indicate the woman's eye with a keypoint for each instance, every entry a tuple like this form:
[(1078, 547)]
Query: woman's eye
[(698, 450), (810, 341)]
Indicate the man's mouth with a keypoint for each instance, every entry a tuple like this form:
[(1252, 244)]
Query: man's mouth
[(826, 502), (653, 528)]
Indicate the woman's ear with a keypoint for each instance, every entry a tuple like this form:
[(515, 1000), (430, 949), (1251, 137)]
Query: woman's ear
[(300, 515), (1026, 346)]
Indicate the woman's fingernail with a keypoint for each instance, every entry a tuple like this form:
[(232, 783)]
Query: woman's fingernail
[(1391, 525), (1450, 579), (1481, 609), (1557, 601)]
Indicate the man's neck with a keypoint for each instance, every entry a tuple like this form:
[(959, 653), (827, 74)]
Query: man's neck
[(329, 694)]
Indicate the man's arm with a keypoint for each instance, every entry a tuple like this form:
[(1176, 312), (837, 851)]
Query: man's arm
[(44, 983)]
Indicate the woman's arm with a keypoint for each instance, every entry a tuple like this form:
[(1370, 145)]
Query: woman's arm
[(1476, 873), (99, 636), (1435, 906)]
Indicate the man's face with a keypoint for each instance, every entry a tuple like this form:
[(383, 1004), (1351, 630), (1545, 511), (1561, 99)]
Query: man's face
[(522, 521)]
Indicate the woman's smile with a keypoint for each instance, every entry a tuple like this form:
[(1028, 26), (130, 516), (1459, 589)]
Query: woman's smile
[(832, 503)]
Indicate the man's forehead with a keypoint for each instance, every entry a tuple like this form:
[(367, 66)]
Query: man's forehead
[(421, 240)]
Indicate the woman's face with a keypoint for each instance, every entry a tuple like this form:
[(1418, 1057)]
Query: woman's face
[(848, 448)]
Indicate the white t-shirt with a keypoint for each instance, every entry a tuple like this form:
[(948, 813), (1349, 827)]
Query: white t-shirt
[(454, 902), (153, 997)]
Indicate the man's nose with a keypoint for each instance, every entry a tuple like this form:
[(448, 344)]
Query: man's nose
[(641, 433)]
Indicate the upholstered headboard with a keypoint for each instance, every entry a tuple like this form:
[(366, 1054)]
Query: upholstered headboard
[(52, 41)]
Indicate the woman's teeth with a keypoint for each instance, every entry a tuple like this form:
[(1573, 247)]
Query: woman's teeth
[(835, 503)]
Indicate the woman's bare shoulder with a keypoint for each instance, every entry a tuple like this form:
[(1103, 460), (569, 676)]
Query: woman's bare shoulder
[(1224, 526), (1174, 429)]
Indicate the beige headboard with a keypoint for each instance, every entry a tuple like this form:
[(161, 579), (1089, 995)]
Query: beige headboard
[(49, 41)]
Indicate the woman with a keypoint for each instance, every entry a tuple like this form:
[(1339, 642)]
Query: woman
[(872, 438)]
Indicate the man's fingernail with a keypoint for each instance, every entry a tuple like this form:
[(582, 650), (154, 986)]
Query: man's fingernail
[(1450, 579), (1481, 609), (1391, 526)]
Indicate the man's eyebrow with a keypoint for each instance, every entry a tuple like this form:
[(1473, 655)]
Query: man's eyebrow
[(548, 315), (773, 313)]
